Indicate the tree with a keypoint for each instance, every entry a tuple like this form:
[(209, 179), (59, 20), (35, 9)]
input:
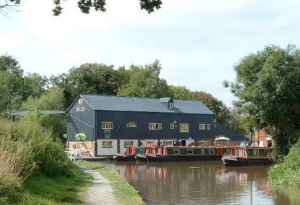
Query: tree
[(268, 89), (52, 99), (86, 5), (11, 65), (180, 92), (145, 82), (88, 79)]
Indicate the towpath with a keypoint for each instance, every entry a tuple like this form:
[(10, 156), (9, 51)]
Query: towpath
[(100, 192)]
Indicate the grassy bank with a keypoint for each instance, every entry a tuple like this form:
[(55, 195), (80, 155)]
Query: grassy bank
[(49, 190), (123, 191), (285, 176)]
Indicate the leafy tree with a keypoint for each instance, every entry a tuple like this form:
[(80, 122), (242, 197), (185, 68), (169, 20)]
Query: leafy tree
[(180, 92), (88, 79), (215, 105), (86, 5), (11, 65), (268, 88), (16, 88), (52, 99), (9, 92), (145, 82)]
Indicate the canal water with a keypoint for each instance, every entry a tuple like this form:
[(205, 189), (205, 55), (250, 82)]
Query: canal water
[(204, 183)]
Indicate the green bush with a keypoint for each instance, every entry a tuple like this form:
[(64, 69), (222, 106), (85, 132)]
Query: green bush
[(287, 173)]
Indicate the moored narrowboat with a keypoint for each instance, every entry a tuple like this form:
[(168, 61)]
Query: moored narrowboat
[(129, 155), (186, 153), (245, 156)]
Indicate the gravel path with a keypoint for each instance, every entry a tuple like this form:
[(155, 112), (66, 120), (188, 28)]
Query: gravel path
[(100, 192)]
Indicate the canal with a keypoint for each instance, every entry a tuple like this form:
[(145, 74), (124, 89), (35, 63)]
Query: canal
[(200, 183)]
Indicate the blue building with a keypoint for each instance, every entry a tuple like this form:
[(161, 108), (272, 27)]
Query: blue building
[(105, 125)]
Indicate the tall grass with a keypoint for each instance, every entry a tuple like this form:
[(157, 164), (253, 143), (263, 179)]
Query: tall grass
[(27, 149)]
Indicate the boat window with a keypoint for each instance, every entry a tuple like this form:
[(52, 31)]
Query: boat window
[(190, 151), (176, 151)]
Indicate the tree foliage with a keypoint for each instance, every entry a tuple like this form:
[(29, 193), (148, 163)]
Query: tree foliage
[(180, 92), (86, 5), (145, 82), (15, 88), (88, 79), (268, 88)]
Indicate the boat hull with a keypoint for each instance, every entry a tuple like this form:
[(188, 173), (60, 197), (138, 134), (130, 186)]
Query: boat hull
[(124, 158), (141, 158), (239, 161), (159, 158)]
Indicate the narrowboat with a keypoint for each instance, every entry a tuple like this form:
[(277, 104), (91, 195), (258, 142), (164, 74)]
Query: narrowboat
[(245, 156), (142, 157), (186, 153), (129, 155)]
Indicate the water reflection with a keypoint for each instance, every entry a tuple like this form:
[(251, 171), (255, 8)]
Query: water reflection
[(200, 183)]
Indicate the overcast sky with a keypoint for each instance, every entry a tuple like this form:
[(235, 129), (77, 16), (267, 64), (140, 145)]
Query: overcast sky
[(196, 41)]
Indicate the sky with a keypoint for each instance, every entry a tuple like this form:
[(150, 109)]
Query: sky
[(197, 42)]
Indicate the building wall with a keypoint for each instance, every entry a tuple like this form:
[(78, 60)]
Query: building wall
[(80, 123), (261, 139), (141, 131)]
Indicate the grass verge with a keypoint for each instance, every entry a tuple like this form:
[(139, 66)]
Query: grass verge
[(50, 190), (122, 190)]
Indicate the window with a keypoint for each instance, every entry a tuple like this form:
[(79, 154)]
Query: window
[(131, 124), (190, 151), (128, 143), (201, 126), (172, 126), (208, 126), (184, 127), (176, 151), (155, 126), (107, 125), (106, 144), (80, 101), (167, 143), (171, 105), (80, 108)]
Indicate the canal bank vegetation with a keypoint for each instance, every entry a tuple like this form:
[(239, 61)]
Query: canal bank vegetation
[(122, 190), (33, 166), (287, 173)]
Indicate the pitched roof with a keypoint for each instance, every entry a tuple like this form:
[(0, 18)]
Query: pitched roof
[(139, 104)]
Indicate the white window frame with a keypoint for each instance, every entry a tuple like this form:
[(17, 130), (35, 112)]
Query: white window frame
[(107, 144), (155, 126), (208, 126), (128, 143), (172, 126), (184, 127), (131, 124), (107, 125), (201, 126)]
